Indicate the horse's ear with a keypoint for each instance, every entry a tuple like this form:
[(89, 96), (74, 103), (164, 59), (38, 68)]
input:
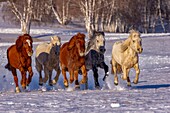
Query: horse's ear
[(102, 33), (81, 36), (19, 43), (52, 39), (28, 36)]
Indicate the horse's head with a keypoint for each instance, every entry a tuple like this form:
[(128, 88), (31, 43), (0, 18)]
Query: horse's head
[(99, 41), (56, 43), (136, 41), (24, 43), (78, 41)]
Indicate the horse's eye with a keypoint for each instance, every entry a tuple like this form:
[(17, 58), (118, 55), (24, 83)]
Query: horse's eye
[(97, 40), (133, 41)]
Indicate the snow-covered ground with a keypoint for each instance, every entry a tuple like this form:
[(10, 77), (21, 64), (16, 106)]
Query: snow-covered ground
[(150, 95)]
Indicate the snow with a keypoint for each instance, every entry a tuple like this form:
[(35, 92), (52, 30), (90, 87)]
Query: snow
[(150, 95)]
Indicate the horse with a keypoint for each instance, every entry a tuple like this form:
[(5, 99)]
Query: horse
[(72, 59), (125, 56), (47, 59), (19, 57), (95, 55)]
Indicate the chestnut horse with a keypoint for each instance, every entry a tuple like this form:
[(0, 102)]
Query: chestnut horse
[(72, 59), (19, 57)]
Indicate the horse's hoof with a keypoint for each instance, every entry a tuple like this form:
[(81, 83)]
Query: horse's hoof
[(24, 87), (71, 81), (54, 82), (104, 78), (129, 84), (40, 84), (77, 86), (97, 85), (66, 86), (116, 83), (50, 84), (65, 83), (82, 81), (124, 78), (76, 82), (17, 90), (135, 82)]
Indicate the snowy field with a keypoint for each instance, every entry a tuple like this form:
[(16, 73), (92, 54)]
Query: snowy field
[(150, 95)]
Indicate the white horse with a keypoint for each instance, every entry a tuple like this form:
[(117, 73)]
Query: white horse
[(125, 56), (47, 59)]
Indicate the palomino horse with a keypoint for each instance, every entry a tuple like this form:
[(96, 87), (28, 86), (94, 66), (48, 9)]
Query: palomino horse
[(72, 59), (47, 58), (125, 56), (95, 55), (19, 57)]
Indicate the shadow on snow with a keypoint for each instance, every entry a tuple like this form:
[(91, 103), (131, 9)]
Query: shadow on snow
[(152, 86)]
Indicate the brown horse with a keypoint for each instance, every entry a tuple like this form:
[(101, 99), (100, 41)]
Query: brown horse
[(19, 57), (72, 59)]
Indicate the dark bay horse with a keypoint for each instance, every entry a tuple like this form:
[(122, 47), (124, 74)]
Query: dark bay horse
[(95, 55), (19, 57), (72, 59), (47, 60)]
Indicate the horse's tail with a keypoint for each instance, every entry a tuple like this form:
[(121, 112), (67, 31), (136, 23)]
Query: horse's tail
[(118, 68), (8, 66)]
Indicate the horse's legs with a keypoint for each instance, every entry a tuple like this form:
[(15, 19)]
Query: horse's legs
[(128, 79), (40, 79), (71, 76), (63, 70), (39, 69), (76, 79), (15, 79), (124, 77), (57, 76), (95, 74), (136, 67), (50, 75), (115, 75), (106, 70), (46, 71), (30, 75), (114, 69), (84, 73), (23, 80)]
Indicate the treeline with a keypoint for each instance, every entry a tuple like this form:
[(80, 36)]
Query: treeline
[(106, 15)]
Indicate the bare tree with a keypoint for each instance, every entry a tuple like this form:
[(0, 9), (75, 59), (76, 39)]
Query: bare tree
[(22, 12), (61, 10)]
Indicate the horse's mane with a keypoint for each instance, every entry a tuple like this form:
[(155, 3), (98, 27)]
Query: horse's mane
[(126, 43), (91, 41), (72, 41), (20, 39), (90, 44)]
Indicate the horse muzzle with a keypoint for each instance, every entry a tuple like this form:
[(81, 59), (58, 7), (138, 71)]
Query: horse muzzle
[(102, 49), (140, 50), (81, 54), (57, 53), (29, 53)]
